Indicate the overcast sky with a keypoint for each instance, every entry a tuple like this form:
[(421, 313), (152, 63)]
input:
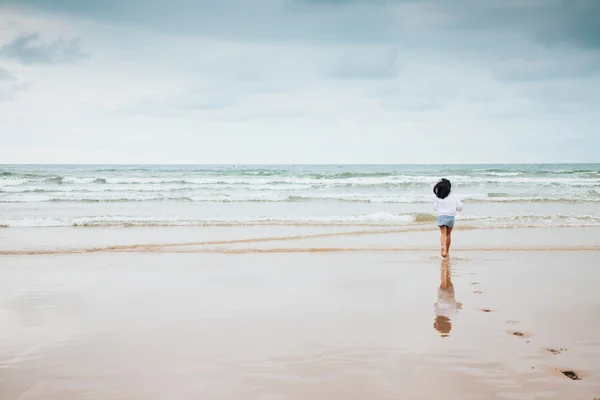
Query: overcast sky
[(299, 81)]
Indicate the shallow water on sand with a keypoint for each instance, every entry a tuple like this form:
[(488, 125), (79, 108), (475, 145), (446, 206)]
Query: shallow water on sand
[(299, 326)]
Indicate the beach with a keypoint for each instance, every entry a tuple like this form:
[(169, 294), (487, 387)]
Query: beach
[(299, 200), (298, 313), (298, 282)]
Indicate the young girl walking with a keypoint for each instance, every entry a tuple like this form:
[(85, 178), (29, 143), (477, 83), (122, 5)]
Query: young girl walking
[(447, 205)]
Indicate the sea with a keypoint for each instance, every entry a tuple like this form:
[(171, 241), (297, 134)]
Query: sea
[(506, 195)]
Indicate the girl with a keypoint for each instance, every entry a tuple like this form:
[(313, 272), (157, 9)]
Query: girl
[(446, 205)]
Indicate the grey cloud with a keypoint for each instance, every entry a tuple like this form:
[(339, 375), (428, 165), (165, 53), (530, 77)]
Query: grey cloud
[(577, 95), (341, 3), (397, 98), (361, 65), (204, 100), (569, 66), (575, 21), (268, 20), (451, 23), (5, 75), (572, 22), (11, 24), (332, 2), (29, 48), (9, 85), (210, 97)]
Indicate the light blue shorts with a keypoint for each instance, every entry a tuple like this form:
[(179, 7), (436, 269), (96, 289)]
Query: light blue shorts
[(445, 220)]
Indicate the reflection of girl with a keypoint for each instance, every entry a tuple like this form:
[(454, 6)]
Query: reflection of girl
[(446, 306)]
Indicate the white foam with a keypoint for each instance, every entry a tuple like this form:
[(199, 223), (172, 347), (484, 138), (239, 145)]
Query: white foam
[(499, 181), (493, 178), (24, 198), (503, 173), (375, 219), (74, 180), (111, 220), (33, 222), (12, 181), (244, 195)]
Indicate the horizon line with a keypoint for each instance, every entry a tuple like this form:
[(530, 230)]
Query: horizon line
[(308, 164)]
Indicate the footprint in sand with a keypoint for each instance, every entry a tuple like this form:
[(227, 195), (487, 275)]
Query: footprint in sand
[(478, 291), (520, 334), (512, 322), (555, 351), (569, 373), (563, 372), (486, 310)]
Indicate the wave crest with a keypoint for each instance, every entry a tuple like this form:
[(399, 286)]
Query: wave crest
[(373, 219)]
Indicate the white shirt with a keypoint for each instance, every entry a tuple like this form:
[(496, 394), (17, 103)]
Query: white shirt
[(448, 206), (446, 306)]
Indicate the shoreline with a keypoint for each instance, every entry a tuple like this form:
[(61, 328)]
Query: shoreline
[(249, 239)]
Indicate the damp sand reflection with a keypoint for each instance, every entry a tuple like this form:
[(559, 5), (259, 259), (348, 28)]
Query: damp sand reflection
[(446, 306)]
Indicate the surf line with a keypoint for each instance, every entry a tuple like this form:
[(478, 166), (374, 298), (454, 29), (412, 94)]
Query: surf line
[(204, 250), (156, 246)]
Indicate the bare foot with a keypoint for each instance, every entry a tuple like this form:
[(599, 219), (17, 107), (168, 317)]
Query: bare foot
[(443, 251)]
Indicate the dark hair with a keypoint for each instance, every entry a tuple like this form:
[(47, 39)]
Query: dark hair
[(443, 188), (443, 325)]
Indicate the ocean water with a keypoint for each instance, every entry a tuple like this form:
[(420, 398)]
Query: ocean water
[(381, 195)]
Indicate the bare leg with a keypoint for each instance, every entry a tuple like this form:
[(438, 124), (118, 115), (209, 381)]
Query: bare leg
[(443, 230), (448, 240), (446, 281)]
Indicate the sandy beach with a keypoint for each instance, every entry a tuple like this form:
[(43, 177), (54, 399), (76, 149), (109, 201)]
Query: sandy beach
[(253, 200), (298, 313)]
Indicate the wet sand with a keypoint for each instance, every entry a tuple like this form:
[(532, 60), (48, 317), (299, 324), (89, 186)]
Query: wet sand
[(301, 314)]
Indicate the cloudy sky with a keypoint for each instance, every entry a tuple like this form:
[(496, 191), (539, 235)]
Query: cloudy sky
[(299, 81)]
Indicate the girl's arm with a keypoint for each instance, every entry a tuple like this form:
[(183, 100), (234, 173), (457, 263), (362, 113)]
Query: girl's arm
[(459, 204)]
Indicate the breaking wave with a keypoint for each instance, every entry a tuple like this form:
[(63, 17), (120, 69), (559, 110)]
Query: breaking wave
[(55, 195), (87, 196), (372, 219)]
